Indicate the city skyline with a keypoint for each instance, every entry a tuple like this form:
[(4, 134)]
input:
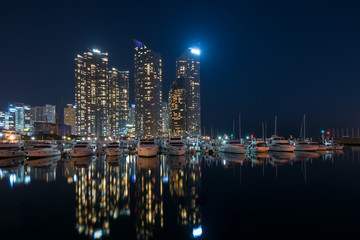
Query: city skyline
[(250, 57)]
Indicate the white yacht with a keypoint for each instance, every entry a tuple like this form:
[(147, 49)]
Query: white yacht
[(232, 146), (147, 148), (321, 147), (331, 145), (113, 149), (304, 146), (176, 146), (81, 149), (43, 150), (258, 146), (11, 149), (280, 144)]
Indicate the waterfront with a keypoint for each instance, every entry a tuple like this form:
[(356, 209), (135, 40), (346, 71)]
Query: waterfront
[(286, 195)]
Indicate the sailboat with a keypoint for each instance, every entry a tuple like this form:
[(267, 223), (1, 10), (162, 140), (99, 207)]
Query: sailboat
[(279, 144), (302, 145)]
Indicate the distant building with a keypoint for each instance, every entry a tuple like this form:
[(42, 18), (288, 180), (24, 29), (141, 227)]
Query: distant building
[(165, 119), (178, 107), (188, 67), (44, 114), (18, 118), (148, 91), (91, 93), (3, 119), (69, 117), (118, 102), (132, 115)]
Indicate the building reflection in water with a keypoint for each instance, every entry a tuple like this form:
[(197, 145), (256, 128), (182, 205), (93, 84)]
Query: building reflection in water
[(92, 216), (149, 197), (102, 186), (184, 186)]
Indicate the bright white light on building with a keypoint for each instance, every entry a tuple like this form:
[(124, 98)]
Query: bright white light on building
[(197, 232), (75, 178), (96, 50), (32, 138), (83, 139), (1, 134), (195, 51)]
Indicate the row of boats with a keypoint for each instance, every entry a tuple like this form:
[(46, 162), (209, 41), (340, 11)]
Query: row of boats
[(174, 146), (276, 144), (145, 148)]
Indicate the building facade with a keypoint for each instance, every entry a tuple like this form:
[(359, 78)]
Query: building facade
[(43, 114), (148, 91), (178, 107), (188, 67), (91, 93), (18, 118), (69, 117), (118, 102)]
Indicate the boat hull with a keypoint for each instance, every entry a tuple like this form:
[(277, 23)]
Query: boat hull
[(176, 151), (81, 153), (43, 154), (306, 148), (147, 151), (11, 153), (282, 148), (232, 149), (113, 152)]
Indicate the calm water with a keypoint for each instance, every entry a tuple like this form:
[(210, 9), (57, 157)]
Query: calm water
[(291, 196)]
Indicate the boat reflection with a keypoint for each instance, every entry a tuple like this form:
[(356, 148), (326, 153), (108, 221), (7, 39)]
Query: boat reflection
[(147, 162), (176, 162), (303, 155), (113, 160), (11, 162), (83, 161), (43, 162), (280, 158), (233, 158), (257, 158)]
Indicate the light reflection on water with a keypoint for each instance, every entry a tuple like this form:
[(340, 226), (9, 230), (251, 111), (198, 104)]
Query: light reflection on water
[(139, 189)]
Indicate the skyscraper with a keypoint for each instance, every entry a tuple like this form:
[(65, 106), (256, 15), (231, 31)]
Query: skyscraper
[(69, 117), (148, 91), (178, 107), (188, 67), (91, 93), (118, 101), (18, 118), (45, 114)]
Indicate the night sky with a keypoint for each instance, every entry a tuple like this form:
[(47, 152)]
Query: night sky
[(259, 58)]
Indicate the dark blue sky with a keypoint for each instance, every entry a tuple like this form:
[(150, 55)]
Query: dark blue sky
[(259, 58)]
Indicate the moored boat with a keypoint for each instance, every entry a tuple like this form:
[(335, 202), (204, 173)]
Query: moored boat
[(42, 150), (176, 146), (232, 146), (11, 149), (147, 148), (81, 149)]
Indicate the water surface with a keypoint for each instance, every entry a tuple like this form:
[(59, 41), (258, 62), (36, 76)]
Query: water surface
[(283, 195)]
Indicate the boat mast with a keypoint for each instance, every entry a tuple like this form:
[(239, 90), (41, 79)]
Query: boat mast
[(304, 126), (275, 127), (240, 127)]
